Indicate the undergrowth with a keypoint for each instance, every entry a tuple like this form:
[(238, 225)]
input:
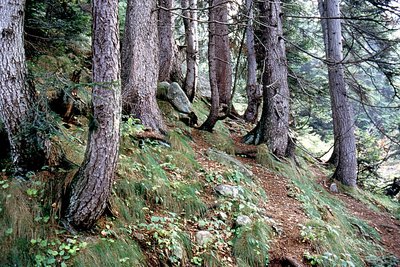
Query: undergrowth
[(337, 237), (161, 198)]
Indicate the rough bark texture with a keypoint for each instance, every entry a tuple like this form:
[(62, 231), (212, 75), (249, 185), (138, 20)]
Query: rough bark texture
[(212, 118), (346, 170), (17, 98), (273, 127), (140, 64), (253, 90), (324, 25), (192, 48), (166, 41), (222, 50), (91, 187)]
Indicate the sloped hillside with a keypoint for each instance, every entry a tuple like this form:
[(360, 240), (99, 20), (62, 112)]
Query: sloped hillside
[(199, 199)]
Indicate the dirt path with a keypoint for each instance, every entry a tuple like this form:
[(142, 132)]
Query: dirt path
[(383, 222), (287, 212), (287, 249)]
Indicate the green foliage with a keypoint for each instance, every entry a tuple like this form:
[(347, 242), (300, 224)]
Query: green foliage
[(55, 22), (378, 202), (340, 239), (55, 252), (168, 236), (250, 244), (111, 252)]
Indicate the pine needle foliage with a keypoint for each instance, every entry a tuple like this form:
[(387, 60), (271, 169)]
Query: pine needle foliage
[(111, 253), (250, 245)]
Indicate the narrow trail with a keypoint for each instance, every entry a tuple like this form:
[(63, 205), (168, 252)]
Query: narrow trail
[(384, 223), (287, 248)]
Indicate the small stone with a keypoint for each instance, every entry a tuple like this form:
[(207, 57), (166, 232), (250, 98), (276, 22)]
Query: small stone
[(138, 236), (243, 220), (333, 188), (222, 215), (178, 252), (203, 237)]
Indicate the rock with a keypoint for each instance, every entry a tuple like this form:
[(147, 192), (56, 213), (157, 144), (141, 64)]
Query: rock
[(243, 220), (203, 237), (162, 90), (203, 87), (333, 188), (177, 97), (227, 190), (228, 161), (178, 252)]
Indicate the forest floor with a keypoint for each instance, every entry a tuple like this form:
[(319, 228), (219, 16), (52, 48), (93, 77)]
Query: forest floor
[(287, 247)]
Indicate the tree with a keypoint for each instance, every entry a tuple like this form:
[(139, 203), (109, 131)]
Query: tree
[(253, 90), (189, 13), (212, 118), (166, 41), (220, 71), (30, 147), (343, 123), (222, 56), (91, 187), (140, 64), (273, 127), (324, 25)]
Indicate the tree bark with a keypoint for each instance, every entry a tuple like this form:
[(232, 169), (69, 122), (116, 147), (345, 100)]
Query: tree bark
[(18, 108), (140, 61), (324, 25), (166, 41), (273, 127), (212, 118), (91, 187), (222, 51), (343, 122), (253, 90), (192, 48)]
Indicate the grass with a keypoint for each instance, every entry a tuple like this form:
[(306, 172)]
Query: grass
[(110, 253), (338, 238), (250, 245), (378, 202)]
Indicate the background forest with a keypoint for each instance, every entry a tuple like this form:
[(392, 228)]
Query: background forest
[(199, 133)]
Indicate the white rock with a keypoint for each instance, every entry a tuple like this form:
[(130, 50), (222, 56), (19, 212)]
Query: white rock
[(243, 220), (203, 237)]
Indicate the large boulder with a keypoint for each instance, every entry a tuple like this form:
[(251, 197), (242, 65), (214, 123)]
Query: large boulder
[(178, 98), (162, 90), (174, 94)]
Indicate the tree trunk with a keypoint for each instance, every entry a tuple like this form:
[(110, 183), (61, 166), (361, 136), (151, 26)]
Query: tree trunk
[(222, 51), (190, 21), (166, 41), (91, 187), (140, 64), (253, 90), (212, 118), (29, 146), (273, 127), (346, 170), (324, 25)]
